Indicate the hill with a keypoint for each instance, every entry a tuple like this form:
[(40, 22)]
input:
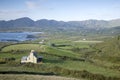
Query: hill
[(64, 58), (32, 77), (109, 50)]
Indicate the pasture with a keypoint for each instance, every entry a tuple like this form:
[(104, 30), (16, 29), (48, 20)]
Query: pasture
[(59, 59), (33, 77)]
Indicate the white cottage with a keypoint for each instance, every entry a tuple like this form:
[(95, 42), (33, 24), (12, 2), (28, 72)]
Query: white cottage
[(32, 58)]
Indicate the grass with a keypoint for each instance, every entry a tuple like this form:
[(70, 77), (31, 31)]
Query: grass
[(77, 65), (53, 58), (37, 47), (72, 65), (27, 47), (84, 41), (32, 77), (60, 52)]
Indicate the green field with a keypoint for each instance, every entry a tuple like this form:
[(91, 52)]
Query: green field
[(32, 77), (29, 47), (72, 59)]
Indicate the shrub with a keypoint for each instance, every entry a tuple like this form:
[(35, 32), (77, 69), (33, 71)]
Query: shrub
[(2, 61), (6, 60)]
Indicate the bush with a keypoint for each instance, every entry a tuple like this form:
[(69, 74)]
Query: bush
[(6, 60), (2, 61)]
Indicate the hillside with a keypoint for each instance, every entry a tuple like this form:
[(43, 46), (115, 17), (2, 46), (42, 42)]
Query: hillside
[(65, 58), (32, 77), (109, 50)]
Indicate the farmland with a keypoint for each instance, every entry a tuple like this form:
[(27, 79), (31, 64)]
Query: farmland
[(60, 57), (33, 77)]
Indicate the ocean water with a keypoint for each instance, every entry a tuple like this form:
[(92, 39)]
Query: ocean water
[(16, 36)]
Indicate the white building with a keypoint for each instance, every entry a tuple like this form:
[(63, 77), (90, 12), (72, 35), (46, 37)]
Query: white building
[(41, 42), (31, 58)]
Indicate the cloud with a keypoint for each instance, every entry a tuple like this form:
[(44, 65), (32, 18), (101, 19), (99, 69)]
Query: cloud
[(31, 5)]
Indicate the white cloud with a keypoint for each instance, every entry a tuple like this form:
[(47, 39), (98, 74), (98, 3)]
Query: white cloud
[(31, 5)]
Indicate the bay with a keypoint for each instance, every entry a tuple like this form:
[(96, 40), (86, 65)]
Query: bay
[(16, 36)]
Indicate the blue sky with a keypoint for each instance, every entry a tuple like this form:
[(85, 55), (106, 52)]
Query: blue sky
[(65, 10)]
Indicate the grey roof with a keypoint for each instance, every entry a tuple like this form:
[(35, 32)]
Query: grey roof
[(35, 54), (24, 58), (40, 56)]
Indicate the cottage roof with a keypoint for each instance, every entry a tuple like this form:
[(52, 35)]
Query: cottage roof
[(40, 56), (35, 54), (24, 58)]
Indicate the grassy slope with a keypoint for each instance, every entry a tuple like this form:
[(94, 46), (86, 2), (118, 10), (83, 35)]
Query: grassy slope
[(27, 47), (32, 77), (50, 60), (109, 50)]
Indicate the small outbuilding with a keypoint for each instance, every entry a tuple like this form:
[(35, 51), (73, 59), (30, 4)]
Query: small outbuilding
[(31, 58)]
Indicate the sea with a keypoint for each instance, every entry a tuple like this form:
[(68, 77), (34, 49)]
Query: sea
[(16, 36)]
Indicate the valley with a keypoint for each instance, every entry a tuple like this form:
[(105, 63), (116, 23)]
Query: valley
[(69, 49), (59, 39)]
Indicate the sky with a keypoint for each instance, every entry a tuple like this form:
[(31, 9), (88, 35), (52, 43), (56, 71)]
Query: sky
[(61, 10)]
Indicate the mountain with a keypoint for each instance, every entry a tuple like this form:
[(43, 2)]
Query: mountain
[(21, 22), (49, 23), (115, 22), (27, 22), (87, 26), (90, 23)]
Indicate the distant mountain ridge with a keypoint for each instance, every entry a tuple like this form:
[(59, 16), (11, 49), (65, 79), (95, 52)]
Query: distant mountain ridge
[(21, 22), (27, 22)]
